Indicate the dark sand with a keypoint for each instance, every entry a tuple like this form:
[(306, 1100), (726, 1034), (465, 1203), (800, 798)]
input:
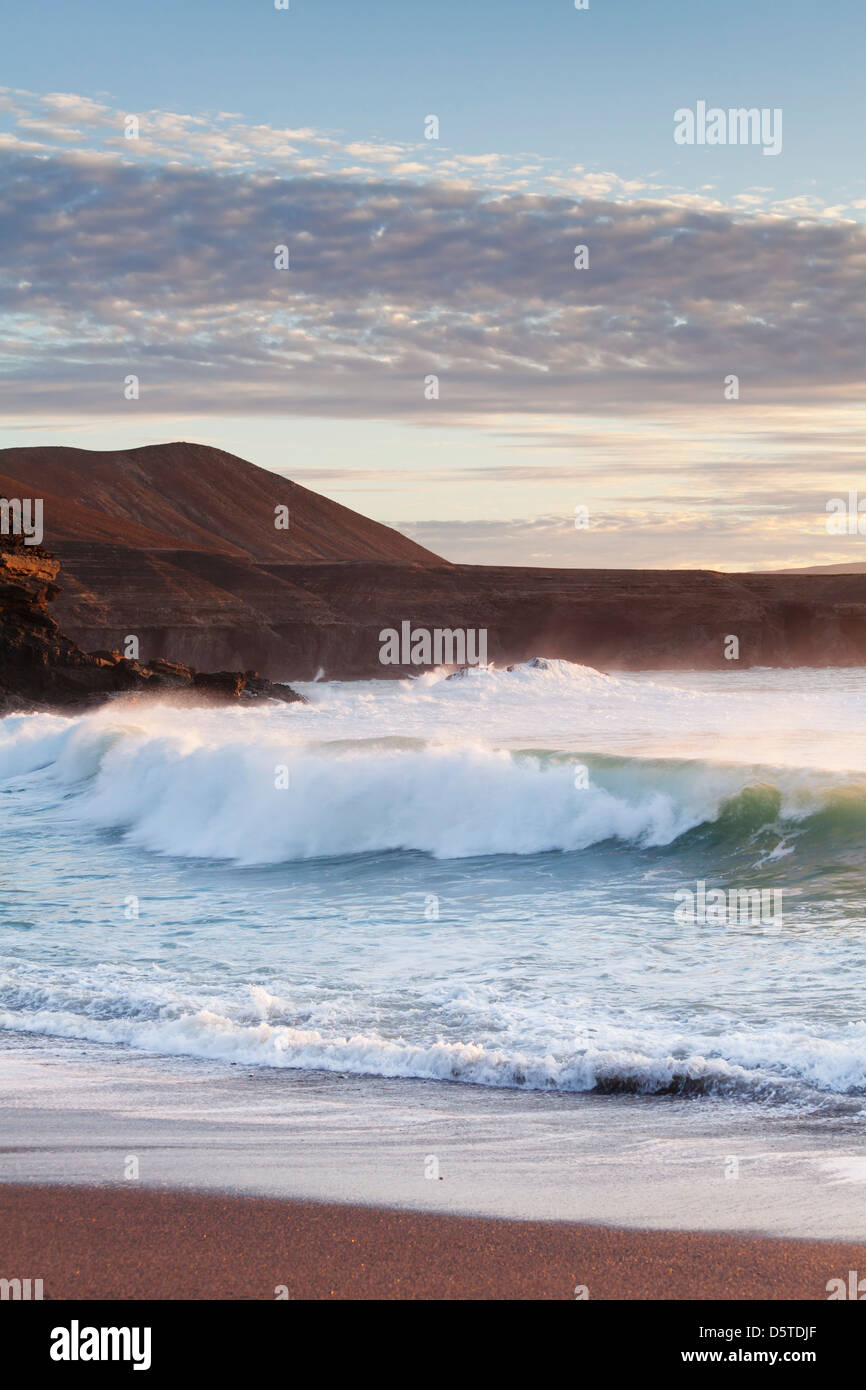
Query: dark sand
[(121, 1243)]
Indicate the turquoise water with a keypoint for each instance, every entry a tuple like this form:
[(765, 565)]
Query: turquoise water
[(472, 880)]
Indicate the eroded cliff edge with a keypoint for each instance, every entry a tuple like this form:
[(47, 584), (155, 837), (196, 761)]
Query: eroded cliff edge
[(42, 668), (176, 545)]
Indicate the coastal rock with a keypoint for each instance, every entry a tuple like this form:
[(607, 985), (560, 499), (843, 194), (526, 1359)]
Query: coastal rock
[(535, 663), (42, 668)]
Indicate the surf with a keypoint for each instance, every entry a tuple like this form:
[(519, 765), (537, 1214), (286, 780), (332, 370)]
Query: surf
[(260, 787)]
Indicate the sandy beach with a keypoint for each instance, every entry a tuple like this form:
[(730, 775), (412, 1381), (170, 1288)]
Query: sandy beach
[(432, 680), (91, 1243)]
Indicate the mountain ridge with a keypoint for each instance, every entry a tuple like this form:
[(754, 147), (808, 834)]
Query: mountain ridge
[(175, 545), (186, 496)]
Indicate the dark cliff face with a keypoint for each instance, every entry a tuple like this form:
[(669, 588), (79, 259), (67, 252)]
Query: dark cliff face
[(176, 545), (36, 660), (42, 668), (291, 621)]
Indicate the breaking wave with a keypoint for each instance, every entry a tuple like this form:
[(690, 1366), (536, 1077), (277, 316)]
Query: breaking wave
[(566, 975), (254, 787), (776, 1063)]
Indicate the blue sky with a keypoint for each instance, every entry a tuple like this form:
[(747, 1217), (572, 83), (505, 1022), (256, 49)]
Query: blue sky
[(593, 87), (410, 256)]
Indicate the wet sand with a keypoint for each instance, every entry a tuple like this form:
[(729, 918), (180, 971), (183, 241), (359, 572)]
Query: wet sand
[(135, 1243), (73, 1114)]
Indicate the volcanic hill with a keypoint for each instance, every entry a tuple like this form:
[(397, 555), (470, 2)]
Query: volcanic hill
[(177, 545)]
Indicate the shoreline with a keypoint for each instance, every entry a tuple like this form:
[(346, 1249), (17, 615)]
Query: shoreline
[(73, 1113), (142, 1243)]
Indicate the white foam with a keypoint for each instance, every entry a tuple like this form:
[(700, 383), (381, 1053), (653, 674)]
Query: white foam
[(772, 1061), (210, 790), (453, 768), (210, 783)]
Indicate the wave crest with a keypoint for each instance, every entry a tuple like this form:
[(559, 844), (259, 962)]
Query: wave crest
[(255, 791)]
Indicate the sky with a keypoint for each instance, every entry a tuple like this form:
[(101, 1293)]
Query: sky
[(691, 395)]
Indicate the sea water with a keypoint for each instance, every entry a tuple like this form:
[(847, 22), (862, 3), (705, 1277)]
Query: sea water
[(472, 881)]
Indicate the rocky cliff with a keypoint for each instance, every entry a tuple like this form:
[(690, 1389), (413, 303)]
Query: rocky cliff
[(176, 545), (292, 621), (40, 667)]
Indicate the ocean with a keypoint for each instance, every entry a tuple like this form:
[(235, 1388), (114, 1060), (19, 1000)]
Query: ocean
[(477, 882)]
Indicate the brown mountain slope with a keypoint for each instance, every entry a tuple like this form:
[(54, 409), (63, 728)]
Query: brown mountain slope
[(70, 522), (175, 545), (192, 497)]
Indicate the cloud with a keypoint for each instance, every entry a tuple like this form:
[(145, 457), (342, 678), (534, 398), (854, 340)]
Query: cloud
[(630, 537), (167, 271), (155, 257), (78, 110)]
